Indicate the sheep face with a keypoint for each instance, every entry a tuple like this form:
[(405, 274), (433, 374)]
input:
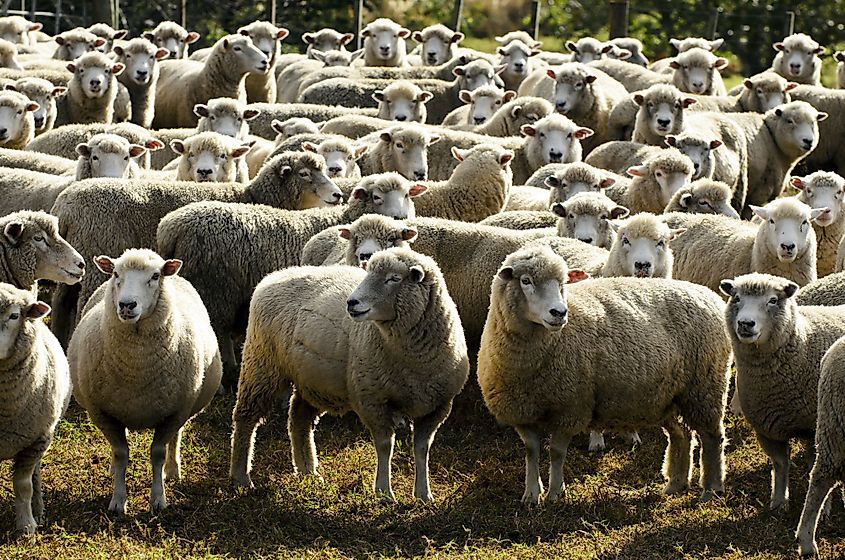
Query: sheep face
[(317, 189), (515, 56), (389, 284), (16, 29), (36, 237), (409, 153), (405, 103), (822, 189), (663, 116), (438, 44), (563, 186), (336, 58), (539, 295), (694, 70), (135, 284), (205, 159), (173, 37), (367, 238), (16, 308), (16, 116), (699, 151), (108, 34), (477, 74), (77, 44), (340, 159), (389, 194), (140, 57), (670, 182), (94, 73), (246, 56), (382, 38), (706, 199), (224, 116), (327, 40), (786, 230), (768, 91), (572, 89), (554, 139), (265, 36), (586, 217), (484, 105), (798, 54), (644, 254), (587, 49), (796, 127), (44, 94), (109, 155), (758, 306)]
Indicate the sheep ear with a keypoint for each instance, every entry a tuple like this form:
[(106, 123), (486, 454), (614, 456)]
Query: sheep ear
[(673, 64), (148, 36), (582, 133), (281, 33), (716, 44), (816, 212), (759, 211), (748, 84), (13, 231), (10, 87), (572, 47), (378, 95), (505, 158), (638, 171), (425, 97), (727, 287), (720, 63), (59, 40), (83, 150), (500, 51), (551, 181), (276, 125), (105, 264), (285, 170), (591, 78), (789, 289), (685, 199), (193, 37), (35, 26), (639, 99), (250, 114), (789, 86), (345, 38), (309, 147), (675, 233), (675, 43), (778, 111), (671, 140), (120, 34), (516, 110), (457, 37), (58, 91), (385, 136), (508, 95), (225, 43), (360, 151), (715, 144), (417, 274), (500, 68), (37, 310), (465, 96), (688, 101), (551, 74), (819, 51), (433, 139), (344, 232), (241, 150), (416, 190), (505, 273), (404, 33), (558, 209), (117, 68), (528, 130), (32, 107), (458, 154), (409, 234), (177, 146), (778, 46), (417, 36), (607, 182), (71, 67), (577, 275), (99, 42), (135, 150), (161, 54), (607, 48), (624, 54), (459, 71), (309, 38), (154, 144), (821, 116), (839, 56), (534, 52), (797, 182), (171, 267), (618, 212), (118, 50)]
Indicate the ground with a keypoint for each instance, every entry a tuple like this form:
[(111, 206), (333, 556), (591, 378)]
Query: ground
[(614, 507)]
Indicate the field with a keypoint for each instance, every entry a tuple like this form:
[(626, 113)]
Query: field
[(614, 507)]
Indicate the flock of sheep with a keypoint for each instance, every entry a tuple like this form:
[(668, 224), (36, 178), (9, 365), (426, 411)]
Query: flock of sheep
[(370, 219)]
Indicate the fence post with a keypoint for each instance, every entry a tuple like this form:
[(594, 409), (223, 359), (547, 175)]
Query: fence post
[(359, 22), (535, 19), (618, 18), (458, 14), (183, 15)]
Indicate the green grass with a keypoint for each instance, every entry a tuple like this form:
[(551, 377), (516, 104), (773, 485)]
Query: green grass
[(614, 507)]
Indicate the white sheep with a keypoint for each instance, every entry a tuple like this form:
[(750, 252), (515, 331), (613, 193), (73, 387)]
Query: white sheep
[(402, 101), (516, 55), (660, 113), (108, 33), (36, 389), (108, 155), (824, 189), (261, 87), (8, 55), (326, 40), (682, 46), (91, 92), (655, 182), (438, 44), (173, 37), (341, 156), (75, 43), (402, 148), (697, 71), (630, 45), (798, 59), (18, 30), (144, 356), (384, 43), (43, 93), (210, 157), (140, 77), (402, 293), (480, 105), (532, 310), (839, 57), (586, 217), (703, 196), (17, 124), (225, 116)]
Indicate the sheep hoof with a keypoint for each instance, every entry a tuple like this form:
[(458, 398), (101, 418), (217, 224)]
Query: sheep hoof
[(158, 504), (243, 482), (708, 495), (554, 496), (424, 497), (386, 496), (117, 506), (674, 488), (808, 550), (27, 528), (779, 504), (596, 442), (531, 498)]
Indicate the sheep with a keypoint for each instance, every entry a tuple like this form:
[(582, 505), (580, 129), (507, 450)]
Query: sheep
[(660, 113), (631, 45), (225, 116), (59, 78), (267, 38), (830, 151), (827, 469), (655, 182), (108, 33), (261, 148), (17, 124), (341, 156), (760, 93), (402, 148), (326, 40), (384, 43), (262, 125), (91, 91), (401, 288), (8, 55), (798, 59), (523, 198), (766, 326), (294, 126), (210, 157), (619, 156), (524, 36), (587, 49), (362, 239), (684, 45), (145, 316), (824, 189), (183, 84), (481, 104), (76, 42), (140, 78), (32, 249), (783, 244), (570, 179), (173, 37), (509, 119), (522, 219), (402, 101), (18, 30), (438, 44), (334, 59), (108, 155), (272, 239), (703, 196), (35, 161), (586, 217), (36, 388), (516, 56), (632, 76), (552, 139), (43, 93), (697, 71), (529, 296)]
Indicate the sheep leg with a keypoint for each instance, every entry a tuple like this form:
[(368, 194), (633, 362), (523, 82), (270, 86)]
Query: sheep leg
[(817, 493), (26, 463), (596, 442), (384, 438), (424, 430), (778, 453), (158, 454), (533, 484), (37, 495), (302, 419), (558, 446), (712, 463), (115, 433), (173, 466), (231, 371), (677, 464), (254, 403)]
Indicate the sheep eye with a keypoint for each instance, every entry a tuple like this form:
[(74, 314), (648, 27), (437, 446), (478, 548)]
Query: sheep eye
[(95, 158), (237, 48), (571, 216), (773, 301), (771, 221), (604, 216), (526, 281), (542, 135), (212, 117), (804, 223), (661, 243), (20, 112), (625, 241), (14, 316), (115, 274), (376, 198), (156, 276), (38, 238), (125, 158), (399, 145)]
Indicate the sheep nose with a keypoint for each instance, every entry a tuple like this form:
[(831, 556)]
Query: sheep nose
[(172, 54), (364, 257), (788, 248), (561, 105), (80, 265), (663, 122), (39, 121), (141, 73), (695, 165), (479, 120), (350, 303), (698, 85), (795, 66), (586, 239), (385, 50), (204, 172), (557, 313), (807, 142), (335, 171), (642, 265), (94, 83), (337, 196), (555, 156), (3, 132), (746, 324), (419, 174), (127, 305), (400, 118)]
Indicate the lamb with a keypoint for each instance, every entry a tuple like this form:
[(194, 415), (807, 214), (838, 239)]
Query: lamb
[(703, 196), (697, 71), (516, 56), (32, 249), (619, 156), (173, 37), (402, 101), (824, 189), (428, 372), (438, 44), (17, 124), (766, 327), (8, 55), (552, 139), (183, 84), (402, 148), (36, 161), (210, 157), (18, 30), (36, 387), (140, 78), (783, 244), (569, 179), (340, 155), (798, 59), (384, 43), (528, 295), (481, 104), (827, 469), (75, 43), (91, 91), (108, 33), (271, 240), (108, 155), (43, 93), (267, 38), (144, 317), (655, 182)]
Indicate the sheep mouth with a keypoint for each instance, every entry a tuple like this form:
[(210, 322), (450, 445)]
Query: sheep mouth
[(795, 72), (128, 317), (642, 273), (824, 221), (74, 275), (333, 202), (141, 81), (357, 314), (747, 336), (554, 325), (786, 256)]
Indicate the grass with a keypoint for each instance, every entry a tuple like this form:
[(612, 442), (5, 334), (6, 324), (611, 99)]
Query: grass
[(614, 507)]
